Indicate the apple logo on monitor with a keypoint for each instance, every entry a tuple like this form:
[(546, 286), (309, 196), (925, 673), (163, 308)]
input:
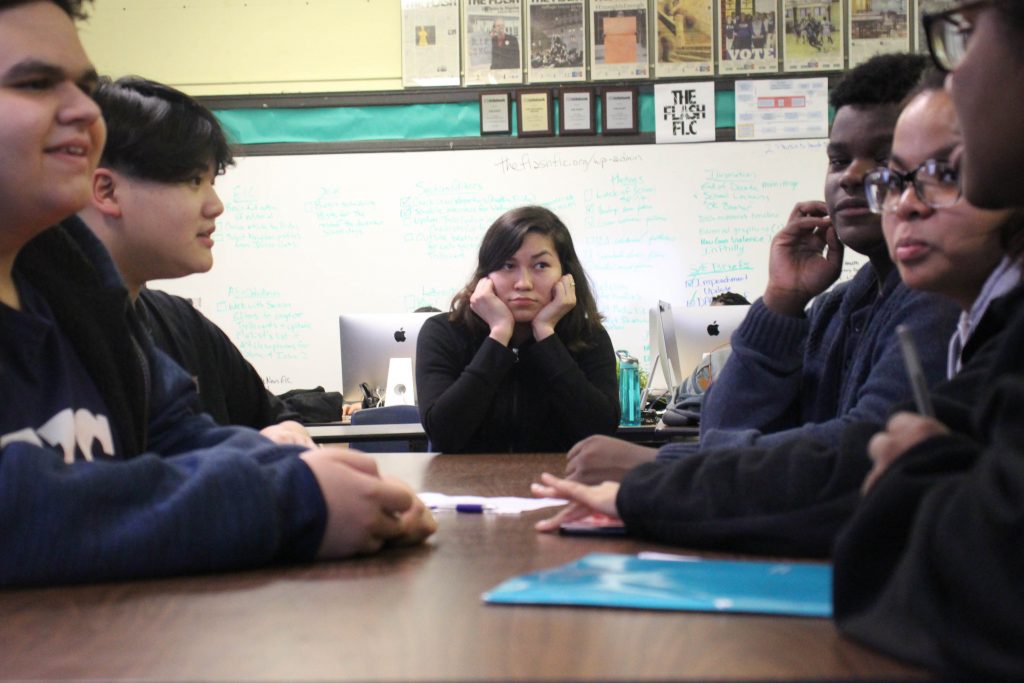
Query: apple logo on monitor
[(400, 334), (713, 329)]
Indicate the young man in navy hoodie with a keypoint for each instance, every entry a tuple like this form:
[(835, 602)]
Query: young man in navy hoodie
[(107, 470)]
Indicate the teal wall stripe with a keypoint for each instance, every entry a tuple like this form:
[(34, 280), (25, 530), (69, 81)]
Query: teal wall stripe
[(398, 122)]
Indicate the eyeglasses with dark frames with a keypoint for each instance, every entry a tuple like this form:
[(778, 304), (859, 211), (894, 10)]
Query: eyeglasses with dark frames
[(947, 33), (935, 183)]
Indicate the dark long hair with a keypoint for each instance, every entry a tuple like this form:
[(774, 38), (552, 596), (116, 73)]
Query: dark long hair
[(501, 241)]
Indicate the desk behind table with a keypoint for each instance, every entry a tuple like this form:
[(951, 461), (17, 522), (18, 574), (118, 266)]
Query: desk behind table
[(409, 614), (338, 432)]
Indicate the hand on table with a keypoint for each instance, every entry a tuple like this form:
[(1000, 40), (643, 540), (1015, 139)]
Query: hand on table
[(364, 510), (288, 432), (583, 500), (601, 458), (903, 431), (798, 267)]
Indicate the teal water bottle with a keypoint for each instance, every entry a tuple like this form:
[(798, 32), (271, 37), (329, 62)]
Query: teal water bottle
[(629, 389)]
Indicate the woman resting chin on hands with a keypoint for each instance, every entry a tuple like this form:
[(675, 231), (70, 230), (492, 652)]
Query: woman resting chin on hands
[(522, 362)]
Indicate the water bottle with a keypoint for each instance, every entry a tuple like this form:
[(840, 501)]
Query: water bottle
[(629, 389)]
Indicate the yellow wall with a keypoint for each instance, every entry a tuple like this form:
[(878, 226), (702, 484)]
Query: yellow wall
[(217, 47)]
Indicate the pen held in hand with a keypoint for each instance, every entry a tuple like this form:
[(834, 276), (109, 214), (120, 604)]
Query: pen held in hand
[(918, 383)]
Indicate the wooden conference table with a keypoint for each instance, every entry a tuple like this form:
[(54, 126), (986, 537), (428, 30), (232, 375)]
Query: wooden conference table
[(409, 614)]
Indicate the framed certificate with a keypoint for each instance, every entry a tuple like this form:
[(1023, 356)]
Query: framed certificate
[(535, 113), (576, 112), (495, 113), (619, 111)]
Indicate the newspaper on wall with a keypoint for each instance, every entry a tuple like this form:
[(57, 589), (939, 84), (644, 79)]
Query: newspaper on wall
[(430, 42), (878, 27), (557, 40), (747, 36), (619, 39), (813, 35), (684, 31), (492, 50)]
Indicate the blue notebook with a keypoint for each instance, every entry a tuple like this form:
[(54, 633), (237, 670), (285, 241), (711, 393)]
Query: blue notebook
[(607, 580)]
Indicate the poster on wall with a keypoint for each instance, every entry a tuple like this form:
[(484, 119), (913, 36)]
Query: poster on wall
[(772, 109), (430, 42), (813, 31), (491, 47), (878, 27), (557, 40), (619, 41), (748, 36), (684, 112), (684, 33)]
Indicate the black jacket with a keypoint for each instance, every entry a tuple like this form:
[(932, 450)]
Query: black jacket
[(931, 567), (477, 396), (790, 499), (230, 389)]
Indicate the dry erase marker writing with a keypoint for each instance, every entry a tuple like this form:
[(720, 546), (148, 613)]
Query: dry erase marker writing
[(918, 383)]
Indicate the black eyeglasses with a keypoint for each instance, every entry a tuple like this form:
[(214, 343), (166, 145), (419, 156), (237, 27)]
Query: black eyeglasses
[(947, 34), (935, 183)]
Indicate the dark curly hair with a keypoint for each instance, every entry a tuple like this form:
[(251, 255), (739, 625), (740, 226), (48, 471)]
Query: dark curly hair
[(883, 79)]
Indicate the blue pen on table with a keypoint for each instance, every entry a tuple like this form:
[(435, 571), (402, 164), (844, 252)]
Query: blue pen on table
[(465, 507), (918, 383)]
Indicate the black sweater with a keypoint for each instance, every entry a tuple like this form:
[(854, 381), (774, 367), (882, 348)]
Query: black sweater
[(931, 567), (789, 499), (476, 395), (230, 389)]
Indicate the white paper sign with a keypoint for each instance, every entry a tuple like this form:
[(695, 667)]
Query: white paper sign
[(684, 112), (782, 109)]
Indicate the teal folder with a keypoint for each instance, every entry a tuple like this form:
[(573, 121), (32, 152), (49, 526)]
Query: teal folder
[(607, 580)]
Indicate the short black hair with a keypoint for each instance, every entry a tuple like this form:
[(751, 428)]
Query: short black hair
[(883, 79), (730, 299), (73, 8), (156, 132)]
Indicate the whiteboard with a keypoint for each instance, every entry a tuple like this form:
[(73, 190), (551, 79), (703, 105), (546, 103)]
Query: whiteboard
[(305, 238)]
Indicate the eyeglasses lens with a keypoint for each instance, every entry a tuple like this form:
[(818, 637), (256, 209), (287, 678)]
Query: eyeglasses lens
[(935, 184), (950, 41)]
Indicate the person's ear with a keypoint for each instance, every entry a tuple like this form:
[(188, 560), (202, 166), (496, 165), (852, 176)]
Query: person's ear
[(105, 185)]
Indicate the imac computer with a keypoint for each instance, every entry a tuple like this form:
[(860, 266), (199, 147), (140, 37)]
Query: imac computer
[(681, 337), (369, 342)]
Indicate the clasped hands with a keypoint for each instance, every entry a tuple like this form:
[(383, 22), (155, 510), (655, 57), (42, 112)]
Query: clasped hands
[(365, 509)]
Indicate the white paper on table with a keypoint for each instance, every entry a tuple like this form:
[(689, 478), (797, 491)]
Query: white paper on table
[(502, 505)]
